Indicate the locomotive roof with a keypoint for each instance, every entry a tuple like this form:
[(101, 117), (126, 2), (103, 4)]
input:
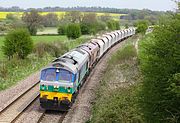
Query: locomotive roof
[(71, 61), (65, 65)]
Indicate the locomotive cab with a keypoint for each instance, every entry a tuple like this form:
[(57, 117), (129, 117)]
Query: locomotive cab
[(56, 88), (60, 82)]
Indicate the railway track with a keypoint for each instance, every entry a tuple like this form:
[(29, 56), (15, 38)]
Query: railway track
[(52, 116), (14, 109)]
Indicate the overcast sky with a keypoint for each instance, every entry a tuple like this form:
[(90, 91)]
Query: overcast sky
[(135, 4)]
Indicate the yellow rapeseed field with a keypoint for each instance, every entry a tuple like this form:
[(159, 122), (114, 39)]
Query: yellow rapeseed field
[(60, 14)]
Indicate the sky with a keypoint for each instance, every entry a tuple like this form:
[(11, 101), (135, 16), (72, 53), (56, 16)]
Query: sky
[(160, 5)]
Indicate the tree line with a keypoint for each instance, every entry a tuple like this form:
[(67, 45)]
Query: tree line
[(160, 66), (78, 8), (73, 25)]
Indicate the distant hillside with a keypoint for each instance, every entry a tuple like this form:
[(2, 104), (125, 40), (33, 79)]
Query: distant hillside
[(83, 9)]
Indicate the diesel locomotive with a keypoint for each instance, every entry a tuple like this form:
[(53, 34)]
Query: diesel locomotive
[(61, 80)]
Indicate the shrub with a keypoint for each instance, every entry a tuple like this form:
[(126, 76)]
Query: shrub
[(113, 25), (117, 25), (92, 28), (18, 42), (62, 30), (100, 26), (85, 28), (55, 49), (73, 31), (142, 26)]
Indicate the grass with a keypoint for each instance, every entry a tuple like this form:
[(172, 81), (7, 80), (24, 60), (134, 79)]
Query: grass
[(37, 39), (1, 44), (116, 96), (48, 30), (15, 70)]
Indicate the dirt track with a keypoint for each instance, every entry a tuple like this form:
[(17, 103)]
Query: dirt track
[(81, 110)]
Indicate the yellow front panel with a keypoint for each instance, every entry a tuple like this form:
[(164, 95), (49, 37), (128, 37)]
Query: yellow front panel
[(51, 95)]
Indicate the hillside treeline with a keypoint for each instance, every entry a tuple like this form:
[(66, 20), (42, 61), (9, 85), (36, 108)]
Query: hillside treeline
[(83, 9)]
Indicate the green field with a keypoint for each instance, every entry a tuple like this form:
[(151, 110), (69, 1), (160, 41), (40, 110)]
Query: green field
[(48, 30), (36, 39)]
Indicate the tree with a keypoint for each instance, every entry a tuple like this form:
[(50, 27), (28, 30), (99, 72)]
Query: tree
[(178, 4), (73, 31), (32, 20), (142, 26), (18, 42), (73, 16), (50, 20), (89, 18), (160, 66), (89, 24), (105, 17)]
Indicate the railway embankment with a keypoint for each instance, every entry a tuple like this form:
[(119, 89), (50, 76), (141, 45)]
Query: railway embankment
[(116, 99)]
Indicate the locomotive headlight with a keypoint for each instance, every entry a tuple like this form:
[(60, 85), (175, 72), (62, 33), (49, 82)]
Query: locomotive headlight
[(56, 87), (43, 87), (69, 89)]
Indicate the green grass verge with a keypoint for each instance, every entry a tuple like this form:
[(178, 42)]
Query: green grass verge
[(116, 100), (15, 70)]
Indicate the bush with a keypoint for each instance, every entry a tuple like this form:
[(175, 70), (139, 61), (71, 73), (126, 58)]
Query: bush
[(142, 26), (85, 28), (55, 49), (113, 25), (73, 31), (92, 28), (100, 26), (18, 42), (62, 30)]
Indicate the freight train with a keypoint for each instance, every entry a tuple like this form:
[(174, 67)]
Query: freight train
[(61, 81)]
